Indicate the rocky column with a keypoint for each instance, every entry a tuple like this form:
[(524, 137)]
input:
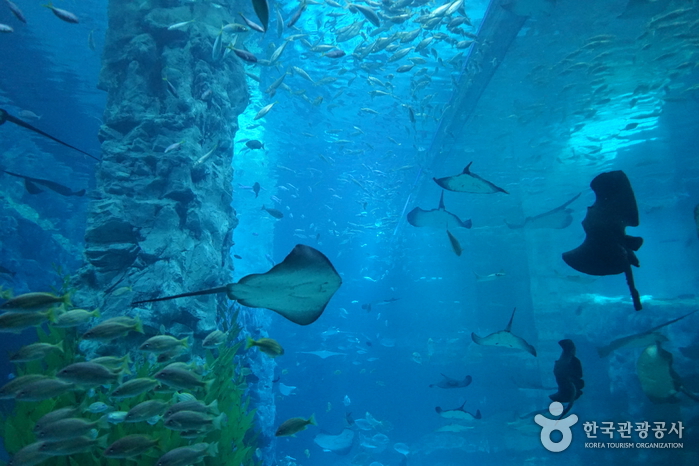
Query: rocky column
[(160, 221)]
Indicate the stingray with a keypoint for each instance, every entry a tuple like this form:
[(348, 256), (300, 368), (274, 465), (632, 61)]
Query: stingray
[(459, 413), (641, 339), (298, 288), (323, 354), (568, 373), (4, 116), (31, 185), (643, 8), (556, 219), (467, 182), (505, 338), (659, 381), (448, 382), (340, 444), (607, 249), (436, 218)]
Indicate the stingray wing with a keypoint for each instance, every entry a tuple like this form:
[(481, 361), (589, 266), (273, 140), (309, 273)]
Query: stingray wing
[(504, 339), (436, 218), (468, 183), (298, 288), (340, 444)]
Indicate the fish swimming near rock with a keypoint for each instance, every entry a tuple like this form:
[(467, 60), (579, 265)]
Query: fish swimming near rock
[(254, 144), (298, 288), (448, 382), (4, 116), (556, 219), (641, 339), (340, 444), (436, 218), (468, 182), (568, 372), (276, 213), (607, 249), (294, 425), (659, 381), (459, 413), (505, 338), (53, 186)]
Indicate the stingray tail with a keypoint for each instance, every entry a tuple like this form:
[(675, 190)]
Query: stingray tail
[(4, 116), (632, 287), (221, 289)]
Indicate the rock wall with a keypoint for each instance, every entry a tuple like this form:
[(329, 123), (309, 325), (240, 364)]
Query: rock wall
[(160, 222)]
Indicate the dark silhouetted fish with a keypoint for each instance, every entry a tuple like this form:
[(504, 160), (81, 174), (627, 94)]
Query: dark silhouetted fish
[(456, 247), (262, 11), (459, 413), (340, 444), (607, 249), (505, 338), (298, 288), (641, 339), (273, 212), (467, 182), (30, 184), (256, 188), (254, 144), (557, 218), (436, 218), (448, 382), (4, 116), (659, 381), (568, 373)]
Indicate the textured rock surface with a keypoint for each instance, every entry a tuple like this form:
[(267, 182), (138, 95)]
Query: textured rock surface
[(161, 223)]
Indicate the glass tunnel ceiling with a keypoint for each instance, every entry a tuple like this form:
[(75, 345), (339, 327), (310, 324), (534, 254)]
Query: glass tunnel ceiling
[(593, 82)]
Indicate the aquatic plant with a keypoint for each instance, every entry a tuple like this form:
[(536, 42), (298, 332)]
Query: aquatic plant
[(236, 438)]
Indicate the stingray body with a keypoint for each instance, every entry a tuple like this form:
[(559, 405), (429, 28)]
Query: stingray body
[(659, 381), (607, 249), (436, 218), (556, 219), (340, 444), (298, 288), (4, 117), (448, 382), (505, 339), (641, 339), (568, 373), (323, 354), (459, 413), (31, 185), (467, 182)]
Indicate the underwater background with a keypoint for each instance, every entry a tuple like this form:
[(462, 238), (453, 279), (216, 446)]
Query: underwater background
[(197, 186)]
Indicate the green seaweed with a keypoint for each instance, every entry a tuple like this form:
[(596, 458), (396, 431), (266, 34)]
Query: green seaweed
[(236, 439)]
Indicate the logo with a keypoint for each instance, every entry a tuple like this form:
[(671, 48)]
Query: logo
[(548, 426)]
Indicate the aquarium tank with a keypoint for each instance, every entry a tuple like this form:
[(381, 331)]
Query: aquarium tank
[(349, 233)]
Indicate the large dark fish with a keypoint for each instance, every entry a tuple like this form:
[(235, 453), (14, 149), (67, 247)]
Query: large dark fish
[(30, 183), (436, 218), (4, 116), (276, 213), (607, 249), (639, 339), (262, 11), (467, 182), (505, 338), (557, 218), (298, 288), (568, 373), (455, 245), (448, 382), (659, 381)]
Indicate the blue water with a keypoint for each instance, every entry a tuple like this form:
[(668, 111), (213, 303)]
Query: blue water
[(346, 170)]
